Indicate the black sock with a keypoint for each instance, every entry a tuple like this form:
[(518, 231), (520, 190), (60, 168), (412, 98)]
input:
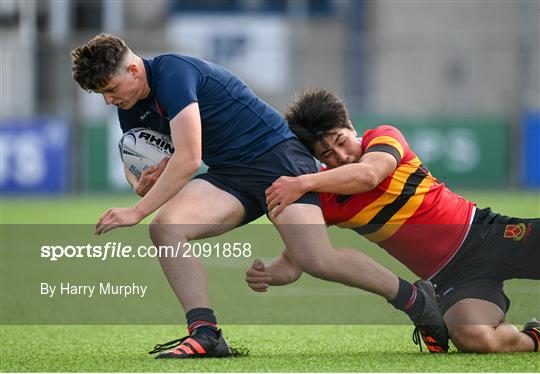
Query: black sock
[(408, 299), (203, 321)]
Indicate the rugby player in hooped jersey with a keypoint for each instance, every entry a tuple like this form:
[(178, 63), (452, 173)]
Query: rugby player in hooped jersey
[(465, 251), (214, 117)]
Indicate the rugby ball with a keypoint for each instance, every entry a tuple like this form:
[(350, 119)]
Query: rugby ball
[(141, 148)]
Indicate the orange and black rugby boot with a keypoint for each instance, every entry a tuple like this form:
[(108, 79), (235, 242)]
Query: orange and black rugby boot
[(429, 326), (194, 346)]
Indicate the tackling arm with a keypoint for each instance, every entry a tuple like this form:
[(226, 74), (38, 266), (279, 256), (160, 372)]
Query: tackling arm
[(283, 270), (279, 272), (351, 179)]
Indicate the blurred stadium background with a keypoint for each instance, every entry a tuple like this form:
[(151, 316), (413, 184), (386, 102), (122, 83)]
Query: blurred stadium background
[(461, 79)]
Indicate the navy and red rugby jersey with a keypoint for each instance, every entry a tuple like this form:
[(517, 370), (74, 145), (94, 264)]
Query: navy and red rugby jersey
[(237, 125), (409, 214)]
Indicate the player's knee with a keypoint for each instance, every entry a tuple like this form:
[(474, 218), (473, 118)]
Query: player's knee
[(161, 219), (474, 338), (156, 229), (162, 226)]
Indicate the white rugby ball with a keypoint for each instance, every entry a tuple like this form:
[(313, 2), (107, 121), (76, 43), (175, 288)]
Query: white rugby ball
[(141, 148)]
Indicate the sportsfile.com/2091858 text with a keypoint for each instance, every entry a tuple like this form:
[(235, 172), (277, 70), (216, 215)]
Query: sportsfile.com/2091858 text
[(118, 250)]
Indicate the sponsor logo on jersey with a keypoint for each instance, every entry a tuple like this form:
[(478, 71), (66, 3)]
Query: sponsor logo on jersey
[(517, 232), (146, 114)]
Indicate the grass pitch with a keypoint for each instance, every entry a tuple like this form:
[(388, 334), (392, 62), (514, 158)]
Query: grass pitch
[(271, 349), (283, 348)]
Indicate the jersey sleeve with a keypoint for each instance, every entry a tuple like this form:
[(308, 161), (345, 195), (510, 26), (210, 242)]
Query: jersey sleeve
[(387, 139), (177, 82)]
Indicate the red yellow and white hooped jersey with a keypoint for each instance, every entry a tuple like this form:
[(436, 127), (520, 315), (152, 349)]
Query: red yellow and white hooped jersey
[(409, 214)]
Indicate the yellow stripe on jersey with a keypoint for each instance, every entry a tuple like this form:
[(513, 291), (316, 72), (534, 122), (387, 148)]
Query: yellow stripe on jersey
[(401, 186), (402, 215), (387, 140), (399, 178)]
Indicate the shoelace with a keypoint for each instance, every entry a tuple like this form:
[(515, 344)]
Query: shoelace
[(169, 345), (416, 338)]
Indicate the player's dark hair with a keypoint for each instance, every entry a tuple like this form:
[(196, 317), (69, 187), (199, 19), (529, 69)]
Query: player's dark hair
[(315, 113), (94, 63)]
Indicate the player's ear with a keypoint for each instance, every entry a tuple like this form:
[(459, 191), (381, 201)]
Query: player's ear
[(133, 69)]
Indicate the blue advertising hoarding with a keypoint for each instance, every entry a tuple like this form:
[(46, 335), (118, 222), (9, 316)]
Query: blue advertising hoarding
[(531, 149), (34, 156)]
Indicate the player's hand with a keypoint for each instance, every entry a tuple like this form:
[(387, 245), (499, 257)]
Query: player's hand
[(117, 217), (284, 191), (257, 278), (149, 177)]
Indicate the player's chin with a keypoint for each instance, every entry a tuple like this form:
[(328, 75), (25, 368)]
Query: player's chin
[(353, 160), (125, 105), (348, 162)]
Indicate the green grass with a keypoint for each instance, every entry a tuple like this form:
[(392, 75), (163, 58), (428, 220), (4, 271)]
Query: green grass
[(272, 348)]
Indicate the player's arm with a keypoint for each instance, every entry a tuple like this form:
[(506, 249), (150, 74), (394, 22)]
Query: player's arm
[(278, 272), (351, 179), (186, 136), (363, 176)]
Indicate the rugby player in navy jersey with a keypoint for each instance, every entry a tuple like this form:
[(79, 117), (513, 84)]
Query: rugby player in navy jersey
[(466, 251), (214, 117)]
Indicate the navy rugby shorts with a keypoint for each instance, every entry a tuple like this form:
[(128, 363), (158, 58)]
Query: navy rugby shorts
[(248, 180)]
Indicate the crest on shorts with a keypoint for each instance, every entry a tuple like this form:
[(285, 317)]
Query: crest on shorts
[(517, 232)]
